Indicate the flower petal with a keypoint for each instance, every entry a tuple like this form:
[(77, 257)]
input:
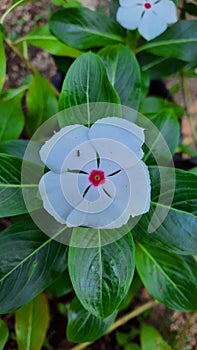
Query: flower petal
[(140, 188), (57, 148), (53, 198), (120, 130), (166, 10), (129, 17), (151, 25), (113, 215), (129, 3)]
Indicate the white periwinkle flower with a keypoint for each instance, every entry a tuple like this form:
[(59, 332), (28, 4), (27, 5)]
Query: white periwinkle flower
[(97, 178), (151, 17)]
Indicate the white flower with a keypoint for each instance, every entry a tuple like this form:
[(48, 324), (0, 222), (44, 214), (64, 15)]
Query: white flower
[(151, 17), (97, 177)]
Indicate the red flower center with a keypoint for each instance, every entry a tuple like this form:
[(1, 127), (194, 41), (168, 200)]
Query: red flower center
[(97, 177), (147, 5)]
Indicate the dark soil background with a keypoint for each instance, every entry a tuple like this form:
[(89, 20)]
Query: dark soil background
[(171, 324)]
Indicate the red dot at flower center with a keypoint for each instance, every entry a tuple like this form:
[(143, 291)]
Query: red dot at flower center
[(147, 5), (97, 177)]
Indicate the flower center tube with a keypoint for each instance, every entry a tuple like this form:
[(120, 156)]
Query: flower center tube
[(147, 6), (97, 177)]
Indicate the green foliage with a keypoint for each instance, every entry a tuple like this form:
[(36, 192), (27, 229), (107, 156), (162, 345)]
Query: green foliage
[(167, 276), (4, 333), (36, 315), (124, 73), (83, 326), (101, 276), (41, 37), (41, 103), (177, 232), (81, 28), (11, 117), (80, 87), (117, 69), (179, 41), (151, 339), (30, 262)]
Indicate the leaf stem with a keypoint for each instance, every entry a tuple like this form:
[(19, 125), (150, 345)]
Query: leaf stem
[(28, 64), (186, 97), (10, 9), (121, 321)]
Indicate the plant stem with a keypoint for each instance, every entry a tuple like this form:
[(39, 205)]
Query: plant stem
[(28, 64), (187, 326), (11, 8), (121, 321), (190, 115)]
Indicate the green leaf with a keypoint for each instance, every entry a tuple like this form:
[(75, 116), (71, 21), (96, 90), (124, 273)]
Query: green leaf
[(41, 37), (2, 63), (83, 326), (11, 118), (133, 291), (14, 147), (168, 129), (41, 103), (124, 73), (32, 321), (101, 276), (30, 262), (153, 105), (167, 277), (177, 232), (61, 286), (191, 8), (179, 41), (81, 28), (12, 202), (159, 67), (152, 339), (81, 87), (4, 333), (193, 171)]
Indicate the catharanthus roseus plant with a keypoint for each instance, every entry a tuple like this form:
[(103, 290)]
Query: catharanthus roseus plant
[(90, 202)]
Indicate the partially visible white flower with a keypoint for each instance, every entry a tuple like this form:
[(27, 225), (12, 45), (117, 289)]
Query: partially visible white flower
[(151, 17), (97, 177)]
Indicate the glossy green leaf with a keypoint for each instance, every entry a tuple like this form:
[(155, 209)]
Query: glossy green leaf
[(133, 291), (177, 232), (81, 87), (167, 277), (152, 105), (159, 67), (30, 262), (168, 129), (14, 147), (4, 333), (83, 326), (11, 118), (31, 323), (41, 37), (41, 103), (61, 286), (152, 339), (101, 276), (12, 202), (179, 41), (81, 28), (124, 73), (2, 63)]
